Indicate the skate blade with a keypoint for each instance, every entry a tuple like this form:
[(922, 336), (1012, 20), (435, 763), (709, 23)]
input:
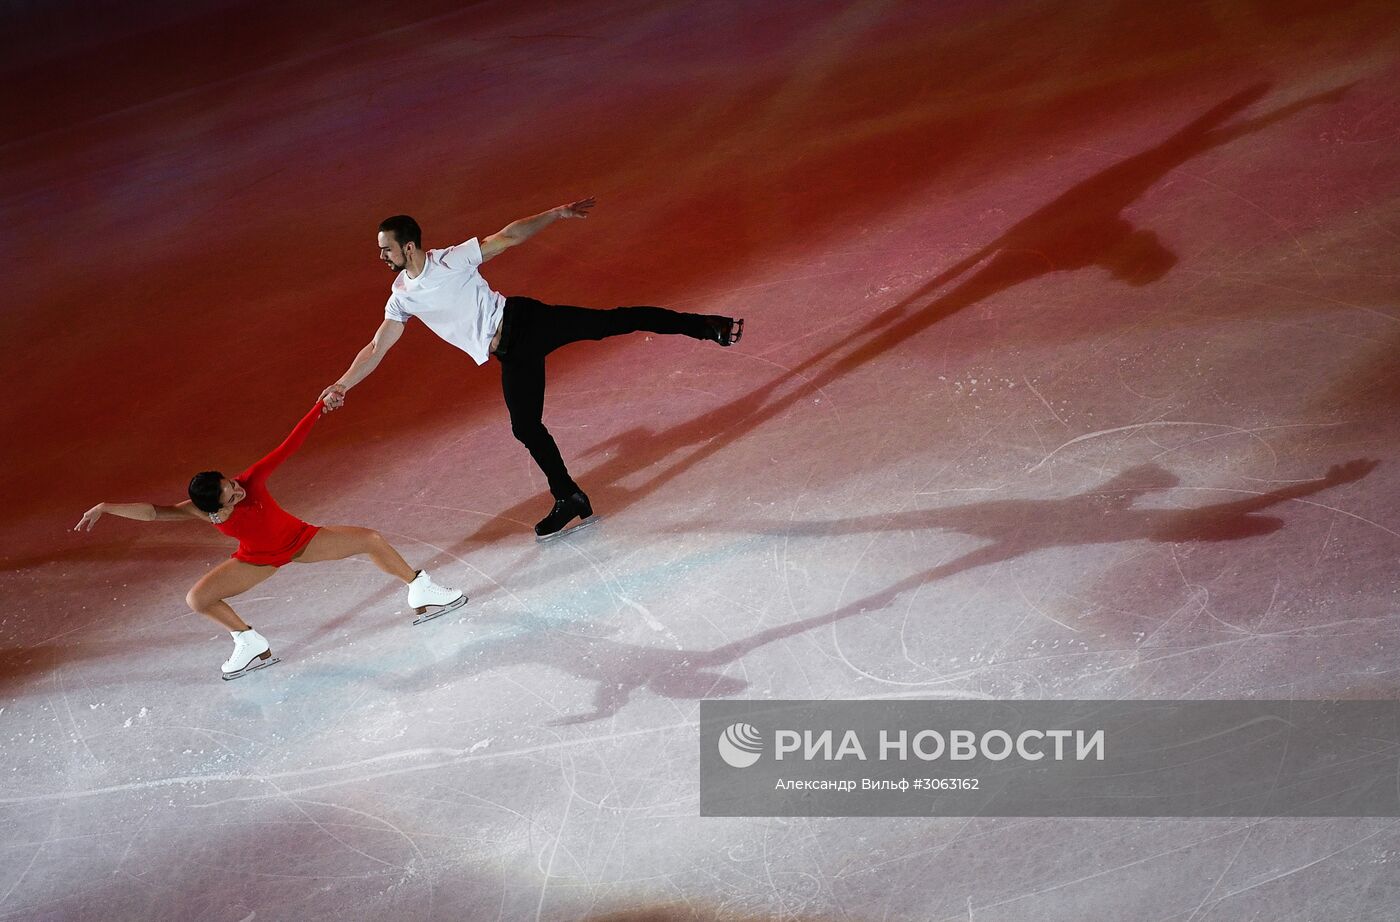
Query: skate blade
[(584, 523), (736, 332), (425, 616), (255, 665)]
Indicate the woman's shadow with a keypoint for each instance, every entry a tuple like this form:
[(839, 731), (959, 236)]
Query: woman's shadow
[(1010, 529)]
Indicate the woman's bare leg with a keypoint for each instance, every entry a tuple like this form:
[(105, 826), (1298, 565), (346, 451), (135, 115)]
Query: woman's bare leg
[(228, 579), (336, 542)]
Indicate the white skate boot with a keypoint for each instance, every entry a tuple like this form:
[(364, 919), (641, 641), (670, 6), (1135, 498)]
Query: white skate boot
[(250, 651), (430, 600)]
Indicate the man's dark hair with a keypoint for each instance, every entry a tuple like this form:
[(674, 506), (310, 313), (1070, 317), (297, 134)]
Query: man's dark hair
[(205, 488), (404, 229)]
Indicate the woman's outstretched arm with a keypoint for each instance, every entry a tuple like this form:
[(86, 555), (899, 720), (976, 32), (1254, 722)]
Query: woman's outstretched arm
[(262, 469), (142, 512)]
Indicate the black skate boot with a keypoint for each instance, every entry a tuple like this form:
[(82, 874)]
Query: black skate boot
[(724, 330), (564, 511)]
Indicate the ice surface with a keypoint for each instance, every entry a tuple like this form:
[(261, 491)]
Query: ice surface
[(1071, 348)]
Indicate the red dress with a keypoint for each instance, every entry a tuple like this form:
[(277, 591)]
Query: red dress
[(268, 535)]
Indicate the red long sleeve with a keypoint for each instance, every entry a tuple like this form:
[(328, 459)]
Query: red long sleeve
[(261, 470), (268, 535)]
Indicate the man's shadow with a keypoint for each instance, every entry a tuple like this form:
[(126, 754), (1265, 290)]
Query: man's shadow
[(1010, 528), (1082, 228)]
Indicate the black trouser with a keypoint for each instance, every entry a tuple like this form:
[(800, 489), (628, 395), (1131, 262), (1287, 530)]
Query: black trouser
[(531, 330)]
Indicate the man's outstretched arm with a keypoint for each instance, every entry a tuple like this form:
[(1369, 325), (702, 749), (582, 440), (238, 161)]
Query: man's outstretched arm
[(365, 362), (519, 231)]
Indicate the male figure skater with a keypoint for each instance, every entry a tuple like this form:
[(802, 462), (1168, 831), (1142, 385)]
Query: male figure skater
[(445, 290)]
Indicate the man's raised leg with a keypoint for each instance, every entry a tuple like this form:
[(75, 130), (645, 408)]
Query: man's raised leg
[(534, 330), (561, 324)]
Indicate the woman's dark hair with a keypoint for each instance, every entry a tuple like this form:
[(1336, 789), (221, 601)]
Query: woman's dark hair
[(404, 229), (205, 488)]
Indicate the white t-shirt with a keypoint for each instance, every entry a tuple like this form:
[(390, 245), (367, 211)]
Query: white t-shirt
[(452, 298)]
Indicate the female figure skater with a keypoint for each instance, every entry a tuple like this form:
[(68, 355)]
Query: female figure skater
[(268, 538)]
